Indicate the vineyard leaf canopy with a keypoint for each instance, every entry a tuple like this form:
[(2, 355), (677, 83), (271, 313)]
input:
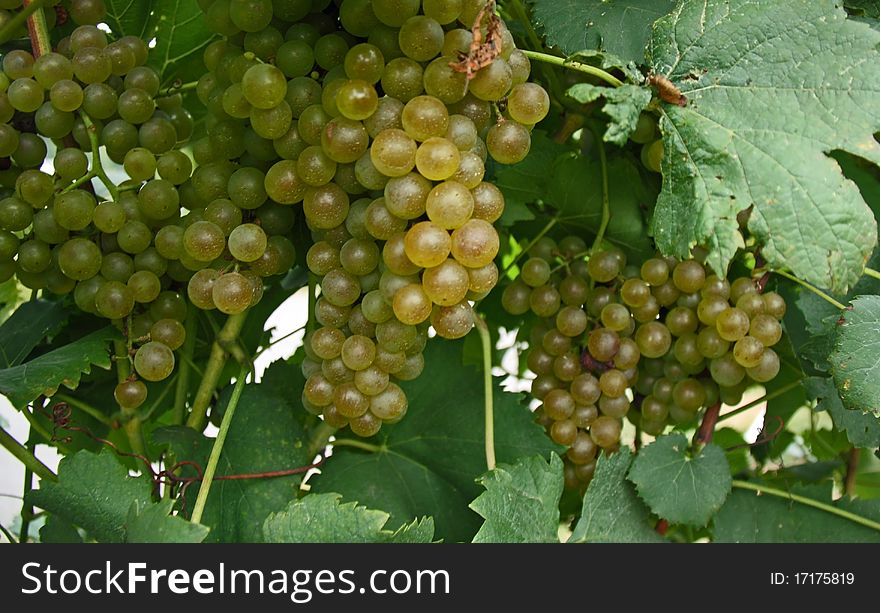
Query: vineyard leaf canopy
[(623, 105), (855, 360), (65, 365), (621, 27), (322, 518), (154, 523), (862, 429), (26, 327), (95, 493), (266, 435), (679, 486), (772, 88), (747, 517), (612, 511), (521, 502), (428, 463)]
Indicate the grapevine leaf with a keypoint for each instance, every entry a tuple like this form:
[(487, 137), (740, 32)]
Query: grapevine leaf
[(265, 435), (323, 518), (526, 182), (28, 325), (678, 486), (128, 17), (619, 26), (770, 92), (429, 461), (612, 512), (855, 360), (59, 530), (521, 502), (865, 175), (866, 11), (43, 375), (749, 518), (180, 32), (862, 429), (576, 191), (609, 61), (11, 296), (93, 492), (153, 523), (623, 105)]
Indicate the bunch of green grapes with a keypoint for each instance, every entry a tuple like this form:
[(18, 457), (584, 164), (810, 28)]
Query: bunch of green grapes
[(654, 343), (165, 237), (359, 114)]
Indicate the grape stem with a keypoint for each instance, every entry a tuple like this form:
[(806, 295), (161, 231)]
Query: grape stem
[(350, 442), (280, 339), (812, 288), (181, 391), (703, 435), (772, 491), (8, 31), (26, 457), (97, 167), (130, 417), (852, 471), (38, 29), (488, 393), (44, 434), (198, 417), (86, 408), (766, 398), (872, 273), (319, 439), (606, 205), (27, 510), (176, 89), (578, 66), (217, 448), (531, 244)]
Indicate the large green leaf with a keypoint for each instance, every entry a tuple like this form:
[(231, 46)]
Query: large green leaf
[(95, 493), (855, 360), (28, 325), (429, 462), (266, 435), (43, 375), (576, 190), (612, 512), (59, 530), (862, 429), (749, 518), (623, 105), (322, 518), (521, 502), (772, 88), (153, 523), (180, 32), (128, 17), (677, 485), (619, 26)]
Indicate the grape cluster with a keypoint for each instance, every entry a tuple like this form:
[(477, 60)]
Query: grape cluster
[(165, 234), (55, 235), (373, 124), (655, 343)]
